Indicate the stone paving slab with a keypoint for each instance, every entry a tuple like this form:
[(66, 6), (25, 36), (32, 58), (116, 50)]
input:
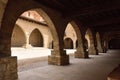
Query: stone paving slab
[(95, 68)]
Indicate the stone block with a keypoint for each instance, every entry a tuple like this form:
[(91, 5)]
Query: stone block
[(58, 60), (8, 68), (81, 54)]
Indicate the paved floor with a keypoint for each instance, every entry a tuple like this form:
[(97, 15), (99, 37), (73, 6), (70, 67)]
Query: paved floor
[(34, 52), (95, 68)]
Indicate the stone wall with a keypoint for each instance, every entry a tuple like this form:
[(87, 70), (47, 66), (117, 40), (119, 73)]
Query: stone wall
[(18, 37), (70, 33), (8, 68), (29, 27), (2, 8)]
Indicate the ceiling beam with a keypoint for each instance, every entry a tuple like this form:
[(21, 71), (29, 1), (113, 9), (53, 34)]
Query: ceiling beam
[(92, 10), (108, 21), (108, 28)]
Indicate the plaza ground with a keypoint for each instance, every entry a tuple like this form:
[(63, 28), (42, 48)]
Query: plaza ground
[(97, 67)]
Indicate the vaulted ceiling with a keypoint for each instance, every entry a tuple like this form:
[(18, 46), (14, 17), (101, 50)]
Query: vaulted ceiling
[(103, 15)]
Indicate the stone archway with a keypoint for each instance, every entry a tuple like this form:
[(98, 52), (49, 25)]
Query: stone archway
[(86, 44), (90, 41), (51, 45), (76, 43), (99, 45), (18, 37), (80, 51), (9, 21), (36, 39), (68, 43), (70, 32), (11, 14)]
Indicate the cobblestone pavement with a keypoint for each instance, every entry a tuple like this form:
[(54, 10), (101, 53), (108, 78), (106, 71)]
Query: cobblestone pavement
[(97, 67)]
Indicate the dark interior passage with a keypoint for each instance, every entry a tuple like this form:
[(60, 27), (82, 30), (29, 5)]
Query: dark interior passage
[(114, 44)]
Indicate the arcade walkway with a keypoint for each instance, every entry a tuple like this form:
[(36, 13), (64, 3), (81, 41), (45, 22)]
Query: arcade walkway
[(95, 68)]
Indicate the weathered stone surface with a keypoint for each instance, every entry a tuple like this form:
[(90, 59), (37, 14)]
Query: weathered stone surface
[(8, 68), (58, 52), (92, 51), (79, 54), (58, 60), (2, 8)]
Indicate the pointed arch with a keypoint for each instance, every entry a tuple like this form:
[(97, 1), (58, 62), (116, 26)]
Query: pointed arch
[(71, 33), (36, 38), (18, 38), (99, 45), (89, 37), (76, 43), (68, 43), (51, 45), (86, 44), (80, 49), (90, 40), (21, 8), (77, 32)]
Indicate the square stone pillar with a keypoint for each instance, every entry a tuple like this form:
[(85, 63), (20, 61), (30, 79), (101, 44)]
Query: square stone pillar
[(8, 68), (58, 58), (81, 54), (92, 51)]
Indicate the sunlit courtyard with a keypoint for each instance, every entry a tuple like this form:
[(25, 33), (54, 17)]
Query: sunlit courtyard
[(34, 52)]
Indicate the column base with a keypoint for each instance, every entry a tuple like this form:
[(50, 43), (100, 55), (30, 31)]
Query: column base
[(100, 50), (104, 50), (58, 60), (93, 52), (27, 46), (8, 68), (81, 55)]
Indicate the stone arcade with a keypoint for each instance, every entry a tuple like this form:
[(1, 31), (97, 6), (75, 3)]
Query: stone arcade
[(96, 25)]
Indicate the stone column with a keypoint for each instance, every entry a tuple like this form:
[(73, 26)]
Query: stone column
[(92, 49), (8, 68), (98, 41), (58, 55), (81, 50), (74, 45), (99, 47), (8, 64), (104, 46), (3, 4), (27, 45)]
